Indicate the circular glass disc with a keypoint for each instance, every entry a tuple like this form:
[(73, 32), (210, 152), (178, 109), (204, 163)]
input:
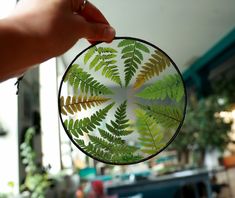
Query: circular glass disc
[(122, 102)]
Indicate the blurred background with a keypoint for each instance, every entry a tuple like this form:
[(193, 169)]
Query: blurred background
[(38, 159)]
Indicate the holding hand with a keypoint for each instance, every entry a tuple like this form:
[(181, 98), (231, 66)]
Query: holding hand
[(41, 29)]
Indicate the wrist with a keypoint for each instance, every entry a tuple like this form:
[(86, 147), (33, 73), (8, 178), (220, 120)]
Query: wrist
[(31, 44), (19, 48)]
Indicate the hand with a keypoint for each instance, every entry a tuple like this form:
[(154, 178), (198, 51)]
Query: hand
[(59, 24)]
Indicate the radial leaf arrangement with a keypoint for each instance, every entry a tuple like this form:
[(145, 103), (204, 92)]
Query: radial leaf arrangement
[(122, 102), (109, 145)]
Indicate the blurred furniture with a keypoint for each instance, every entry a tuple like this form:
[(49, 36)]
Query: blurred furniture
[(193, 183)]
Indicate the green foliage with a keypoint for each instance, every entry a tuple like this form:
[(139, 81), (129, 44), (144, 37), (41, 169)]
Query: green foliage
[(170, 86), (110, 146), (111, 137), (119, 127), (37, 182), (81, 79), (156, 64), (74, 104), (114, 152), (4, 195), (201, 128), (94, 150), (168, 116), (150, 135), (132, 53), (103, 58), (78, 127)]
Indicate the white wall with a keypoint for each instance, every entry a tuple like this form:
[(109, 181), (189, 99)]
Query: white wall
[(49, 115), (8, 118), (9, 143)]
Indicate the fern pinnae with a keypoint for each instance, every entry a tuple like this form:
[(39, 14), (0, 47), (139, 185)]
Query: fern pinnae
[(103, 58), (78, 127), (168, 116), (94, 150), (170, 86), (78, 78), (120, 126), (155, 65), (99, 142), (150, 137), (132, 52), (75, 104), (109, 148), (110, 137)]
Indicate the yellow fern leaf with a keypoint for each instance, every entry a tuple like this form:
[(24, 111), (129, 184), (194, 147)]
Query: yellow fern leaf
[(155, 65), (74, 104), (61, 104)]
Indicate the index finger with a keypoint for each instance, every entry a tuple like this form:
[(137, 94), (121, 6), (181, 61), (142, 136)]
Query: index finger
[(93, 14)]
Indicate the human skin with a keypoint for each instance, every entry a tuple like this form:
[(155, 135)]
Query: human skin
[(41, 29)]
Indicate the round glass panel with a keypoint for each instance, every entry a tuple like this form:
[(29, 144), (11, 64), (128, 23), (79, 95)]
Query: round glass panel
[(122, 102)]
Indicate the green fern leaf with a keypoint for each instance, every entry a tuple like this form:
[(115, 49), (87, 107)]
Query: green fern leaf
[(110, 141), (113, 147), (170, 86), (89, 54), (101, 143), (114, 152), (168, 116), (150, 136), (93, 150), (132, 52), (118, 149), (119, 127), (110, 137), (75, 104), (78, 127), (79, 78), (156, 64), (103, 57)]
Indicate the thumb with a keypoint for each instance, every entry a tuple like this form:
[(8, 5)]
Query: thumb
[(97, 32)]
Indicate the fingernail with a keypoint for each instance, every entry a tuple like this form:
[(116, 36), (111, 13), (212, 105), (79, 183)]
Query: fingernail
[(109, 33)]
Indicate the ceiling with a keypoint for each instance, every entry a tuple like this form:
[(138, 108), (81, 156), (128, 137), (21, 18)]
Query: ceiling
[(184, 29)]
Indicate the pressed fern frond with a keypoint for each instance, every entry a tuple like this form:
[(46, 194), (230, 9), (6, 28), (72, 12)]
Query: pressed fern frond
[(132, 53), (110, 137), (168, 116), (78, 127), (118, 149), (156, 64), (150, 136), (119, 127), (126, 158), (103, 58), (74, 104), (79, 78), (111, 151), (93, 150), (115, 148), (110, 146), (170, 86)]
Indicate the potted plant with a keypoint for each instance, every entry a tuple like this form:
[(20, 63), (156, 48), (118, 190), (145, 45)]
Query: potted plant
[(202, 129)]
